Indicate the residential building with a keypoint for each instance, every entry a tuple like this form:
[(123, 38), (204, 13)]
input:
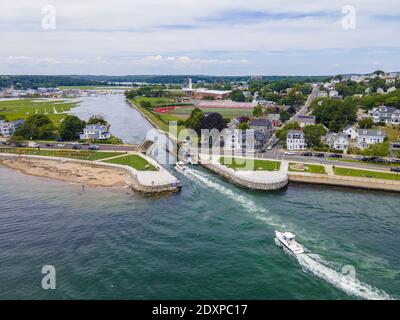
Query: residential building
[(388, 115), (380, 91), (263, 125), (7, 129), (233, 124), (305, 120), (333, 94), (250, 140), (322, 94), (351, 132), (391, 89), (295, 140), (337, 141), (96, 132), (367, 137)]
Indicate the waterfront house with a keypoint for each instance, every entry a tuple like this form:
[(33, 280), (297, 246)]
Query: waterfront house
[(367, 137), (337, 141), (251, 140), (387, 115), (7, 129), (295, 140), (96, 132)]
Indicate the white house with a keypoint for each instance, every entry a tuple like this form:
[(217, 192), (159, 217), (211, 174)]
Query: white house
[(337, 141), (233, 139), (388, 115), (295, 140), (367, 137), (333, 94), (95, 131), (391, 89), (7, 129), (351, 132), (380, 91)]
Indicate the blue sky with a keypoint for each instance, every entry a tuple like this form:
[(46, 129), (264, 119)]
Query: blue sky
[(224, 37)]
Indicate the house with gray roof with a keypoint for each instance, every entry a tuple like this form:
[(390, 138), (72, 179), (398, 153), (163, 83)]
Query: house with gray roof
[(388, 115), (367, 137)]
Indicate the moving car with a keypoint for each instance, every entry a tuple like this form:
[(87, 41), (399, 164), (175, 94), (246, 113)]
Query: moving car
[(335, 155), (94, 147), (77, 147), (307, 154), (395, 169), (290, 153)]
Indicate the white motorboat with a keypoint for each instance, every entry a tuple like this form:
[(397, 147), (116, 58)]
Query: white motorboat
[(287, 240), (180, 166)]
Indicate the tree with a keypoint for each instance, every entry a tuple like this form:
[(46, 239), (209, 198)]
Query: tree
[(285, 116), (145, 104), (213, 120), (97, 119), (366, 123), (37, 126), (377, 150), (3, 117), (243, 126), (237, 95), (257, 111), (71, 127), (195, 119), (313, 134)]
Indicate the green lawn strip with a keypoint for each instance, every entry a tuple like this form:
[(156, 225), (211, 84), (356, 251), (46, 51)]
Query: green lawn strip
[(340, 171), (163, 126), (250, 164), (71, 154), (310, 168), (135, 161), (366, 162)]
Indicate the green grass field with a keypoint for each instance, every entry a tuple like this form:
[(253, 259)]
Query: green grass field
[(250, 164), (71, 154), (23, 108), (310, 168), (153, 101), (135, 161), (364, 162), (366, 174)]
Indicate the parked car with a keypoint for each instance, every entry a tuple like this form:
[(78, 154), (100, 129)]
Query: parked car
[(94, 147), (335, 155), (319, 155), (61, 145), (33, 144), (380, 160), (395, 169), (77, 147), (290, 153), (49, 145), (307, 154)]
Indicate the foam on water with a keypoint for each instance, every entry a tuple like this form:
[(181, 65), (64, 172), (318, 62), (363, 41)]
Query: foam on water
[(310, 262), (346, 283)]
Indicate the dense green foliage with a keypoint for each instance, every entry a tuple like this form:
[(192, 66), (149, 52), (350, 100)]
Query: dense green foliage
[(97, 119), (195, 119), (284, 115), (366, 123), (335, 114), (237, 95), (37, 126), (257, 111), (71, 127), (313, 134), (34, 82)]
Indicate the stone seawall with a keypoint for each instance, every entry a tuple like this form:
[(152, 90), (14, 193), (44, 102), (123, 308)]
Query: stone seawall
[(266, 185), (354, 182)]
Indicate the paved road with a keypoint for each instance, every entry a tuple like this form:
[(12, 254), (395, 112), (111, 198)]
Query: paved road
[(304, 110), (102, 147)]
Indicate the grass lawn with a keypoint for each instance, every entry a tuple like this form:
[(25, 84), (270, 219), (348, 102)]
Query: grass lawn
[(135, 161), (259, 165), (154, 101), (56, 110), (310, 168), (366, 174), (160, 124), (225, 112), (71, 154), (364, 162)]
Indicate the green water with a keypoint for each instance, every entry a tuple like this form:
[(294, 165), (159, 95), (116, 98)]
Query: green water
[(211, 241)]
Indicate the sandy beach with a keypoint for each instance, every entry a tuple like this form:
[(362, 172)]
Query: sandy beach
[(71, 171)]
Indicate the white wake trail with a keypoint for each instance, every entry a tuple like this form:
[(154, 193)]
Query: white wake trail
[(308, 261), (346, 283)]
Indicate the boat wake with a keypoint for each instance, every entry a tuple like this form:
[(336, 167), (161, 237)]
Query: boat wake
[(311, 263), (345, 282)]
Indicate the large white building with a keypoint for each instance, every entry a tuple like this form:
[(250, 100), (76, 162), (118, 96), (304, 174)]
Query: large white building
[(295, 140), (388, 115), (367, 137), (96, 132)]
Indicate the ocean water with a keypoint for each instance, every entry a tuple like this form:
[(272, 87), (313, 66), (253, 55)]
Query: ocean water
[(212, 240)]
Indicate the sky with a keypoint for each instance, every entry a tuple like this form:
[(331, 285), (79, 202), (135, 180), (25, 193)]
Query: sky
[(213, 37)]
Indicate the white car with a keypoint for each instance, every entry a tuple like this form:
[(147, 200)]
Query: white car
[(290, 153), (61, 145)]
